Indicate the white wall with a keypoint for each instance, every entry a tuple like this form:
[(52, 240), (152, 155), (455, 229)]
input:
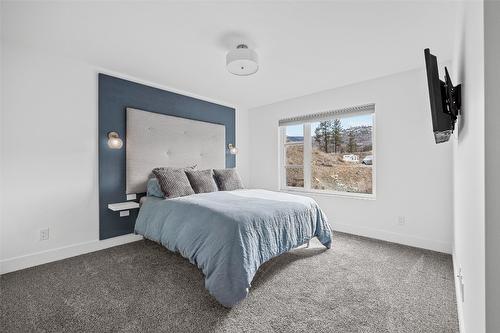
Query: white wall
[(50, 157), (414, 176), (1, 143), (50, 153), (468, 161), (492, 162)]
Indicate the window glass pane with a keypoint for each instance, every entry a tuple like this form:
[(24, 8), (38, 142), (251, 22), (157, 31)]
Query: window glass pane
[(294, 154), (294, 176), (295, 133), (342, 154)]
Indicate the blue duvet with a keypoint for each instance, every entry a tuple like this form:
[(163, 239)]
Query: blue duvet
[(229, 234)]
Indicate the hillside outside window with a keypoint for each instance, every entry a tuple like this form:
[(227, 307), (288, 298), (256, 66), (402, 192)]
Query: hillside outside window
[(330, 152)]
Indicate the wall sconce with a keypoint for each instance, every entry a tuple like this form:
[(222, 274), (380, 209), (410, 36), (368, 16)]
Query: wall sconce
[(232, 149), (114, 141)]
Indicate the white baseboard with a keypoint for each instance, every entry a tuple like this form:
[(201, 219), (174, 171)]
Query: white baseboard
[(394, 237), (460, 310), (43, 257)]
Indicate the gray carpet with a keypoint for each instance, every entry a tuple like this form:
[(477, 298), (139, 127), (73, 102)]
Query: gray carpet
[(360, 285)]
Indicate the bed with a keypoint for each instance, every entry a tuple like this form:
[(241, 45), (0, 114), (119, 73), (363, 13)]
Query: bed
[(229, 234)]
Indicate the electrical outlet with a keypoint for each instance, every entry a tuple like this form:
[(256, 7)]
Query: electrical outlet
[(401, 220), (44, 234), (124, 213)]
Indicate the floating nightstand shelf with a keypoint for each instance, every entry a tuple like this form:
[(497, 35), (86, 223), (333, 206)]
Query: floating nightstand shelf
[(123, 206)]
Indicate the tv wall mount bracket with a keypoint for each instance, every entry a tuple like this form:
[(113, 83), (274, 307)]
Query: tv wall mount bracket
[(452, 95)]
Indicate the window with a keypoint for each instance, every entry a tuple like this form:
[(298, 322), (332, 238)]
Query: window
[(294, 152), (330, 152)]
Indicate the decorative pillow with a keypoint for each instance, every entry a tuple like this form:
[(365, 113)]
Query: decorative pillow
[(192, 167), (202, 181), (154, 189), (228, 179), (173, 182)]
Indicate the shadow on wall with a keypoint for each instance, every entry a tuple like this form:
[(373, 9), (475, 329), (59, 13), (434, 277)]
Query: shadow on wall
[(461, 128)]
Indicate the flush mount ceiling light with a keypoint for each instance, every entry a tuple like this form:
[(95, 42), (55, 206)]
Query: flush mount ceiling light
[(242, 61)]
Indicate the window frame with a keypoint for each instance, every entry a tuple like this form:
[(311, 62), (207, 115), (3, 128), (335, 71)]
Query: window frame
[(307, 159)]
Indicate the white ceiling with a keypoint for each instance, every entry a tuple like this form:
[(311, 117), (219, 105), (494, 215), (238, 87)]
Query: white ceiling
[(304, 47)]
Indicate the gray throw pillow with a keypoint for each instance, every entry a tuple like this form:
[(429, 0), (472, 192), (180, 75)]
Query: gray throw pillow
[(202, 181), (173, 182), (228, 179), (192, 167)]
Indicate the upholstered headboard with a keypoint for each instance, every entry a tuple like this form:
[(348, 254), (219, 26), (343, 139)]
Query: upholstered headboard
[(157, 140)]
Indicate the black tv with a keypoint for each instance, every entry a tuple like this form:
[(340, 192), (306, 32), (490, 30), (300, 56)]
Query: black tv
[(444, 98)]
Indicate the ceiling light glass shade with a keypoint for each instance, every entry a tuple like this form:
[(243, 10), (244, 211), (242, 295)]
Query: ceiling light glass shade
[(242, 61), (114, 141)]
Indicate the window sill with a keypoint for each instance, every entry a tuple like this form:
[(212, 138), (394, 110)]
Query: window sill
[(346, 195)]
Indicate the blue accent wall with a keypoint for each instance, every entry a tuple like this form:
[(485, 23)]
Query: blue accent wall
[(115, 95)]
